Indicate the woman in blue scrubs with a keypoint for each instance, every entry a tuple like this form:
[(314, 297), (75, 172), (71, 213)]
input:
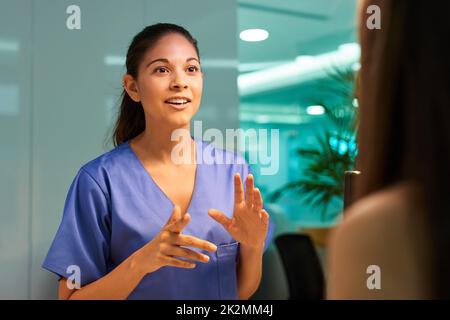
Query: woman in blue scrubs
[(139, 225)]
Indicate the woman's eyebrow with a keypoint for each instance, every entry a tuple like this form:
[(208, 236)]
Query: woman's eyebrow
[(167, 61)]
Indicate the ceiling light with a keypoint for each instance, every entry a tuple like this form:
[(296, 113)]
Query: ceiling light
[(254, 35), (315, 110)]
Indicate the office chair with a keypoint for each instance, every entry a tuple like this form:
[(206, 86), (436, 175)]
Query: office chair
[(302, 267)]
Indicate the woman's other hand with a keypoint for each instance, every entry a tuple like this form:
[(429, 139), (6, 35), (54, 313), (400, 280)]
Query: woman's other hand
[(250, 221), (168, 246)]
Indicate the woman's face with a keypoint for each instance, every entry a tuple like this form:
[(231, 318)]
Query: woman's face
[(169, 83)]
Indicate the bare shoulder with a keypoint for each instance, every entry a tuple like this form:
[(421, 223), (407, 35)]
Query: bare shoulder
[(384, 213), (382, 230), (395, 204)]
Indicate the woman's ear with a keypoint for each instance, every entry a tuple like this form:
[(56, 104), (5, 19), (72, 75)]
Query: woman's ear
[(130, 86)]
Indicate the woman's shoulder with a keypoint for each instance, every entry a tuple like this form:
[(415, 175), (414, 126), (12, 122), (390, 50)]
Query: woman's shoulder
[(385, 229), (395, 203), (110, 160), (384, 215)]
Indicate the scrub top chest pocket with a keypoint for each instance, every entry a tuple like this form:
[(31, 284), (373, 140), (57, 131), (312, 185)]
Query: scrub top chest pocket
[(226, 259)]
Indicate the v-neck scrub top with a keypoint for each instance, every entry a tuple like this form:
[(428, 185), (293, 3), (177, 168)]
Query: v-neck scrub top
[(114, 207)]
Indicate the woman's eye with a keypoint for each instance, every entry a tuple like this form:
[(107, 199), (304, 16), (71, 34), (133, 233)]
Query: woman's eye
[(192, 69), (160, 70)]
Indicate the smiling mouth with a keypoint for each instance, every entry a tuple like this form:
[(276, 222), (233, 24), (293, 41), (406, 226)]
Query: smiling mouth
[(178, 105)]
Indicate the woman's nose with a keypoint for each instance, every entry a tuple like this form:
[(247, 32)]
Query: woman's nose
[(178, 83)]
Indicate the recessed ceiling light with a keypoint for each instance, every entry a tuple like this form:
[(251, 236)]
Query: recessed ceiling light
[(315, 110), (254, 35)]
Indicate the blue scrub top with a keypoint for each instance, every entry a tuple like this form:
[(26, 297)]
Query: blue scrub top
[(114, 207)]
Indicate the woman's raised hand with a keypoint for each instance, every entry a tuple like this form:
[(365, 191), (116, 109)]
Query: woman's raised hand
[(250, 221), (165, 249)]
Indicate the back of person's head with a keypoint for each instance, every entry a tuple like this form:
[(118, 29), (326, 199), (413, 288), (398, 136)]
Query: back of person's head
[(404, 124)]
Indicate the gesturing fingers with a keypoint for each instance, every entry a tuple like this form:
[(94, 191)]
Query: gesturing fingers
[(257, 201), (178, 225), (220, 217), (171, 250), (249, 186), (190, 241), (265, 219), (175, 215), (186, 254), (238, 189), (171, 261)]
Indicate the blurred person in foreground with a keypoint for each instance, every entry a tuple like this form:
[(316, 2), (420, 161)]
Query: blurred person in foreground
[(401, 222)]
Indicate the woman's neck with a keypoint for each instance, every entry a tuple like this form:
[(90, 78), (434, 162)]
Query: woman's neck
[(155, 144)]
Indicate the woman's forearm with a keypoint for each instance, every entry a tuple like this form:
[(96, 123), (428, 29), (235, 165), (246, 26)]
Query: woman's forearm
[(249, 271), (118, 284)]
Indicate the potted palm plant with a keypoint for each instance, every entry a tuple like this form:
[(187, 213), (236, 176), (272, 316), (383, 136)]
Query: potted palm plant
[(323, 178)]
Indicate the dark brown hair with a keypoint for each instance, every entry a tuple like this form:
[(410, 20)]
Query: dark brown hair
[(131, 118), (404, 124)]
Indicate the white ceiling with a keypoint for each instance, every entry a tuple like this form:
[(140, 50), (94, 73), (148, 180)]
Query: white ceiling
[(296, 27)]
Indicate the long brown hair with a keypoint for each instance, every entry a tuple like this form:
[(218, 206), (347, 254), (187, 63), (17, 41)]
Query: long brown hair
[(131, 118), (404, 124)]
